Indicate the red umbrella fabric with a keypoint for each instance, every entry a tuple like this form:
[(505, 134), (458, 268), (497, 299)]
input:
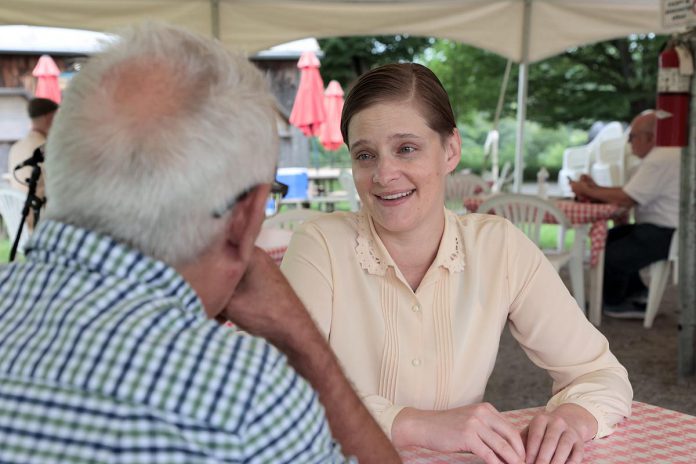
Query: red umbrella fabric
[(46, 72), (308, 110), (330, 131)]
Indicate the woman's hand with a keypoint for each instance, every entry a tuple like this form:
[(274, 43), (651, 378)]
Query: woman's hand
[(478, 428), (558, 437)]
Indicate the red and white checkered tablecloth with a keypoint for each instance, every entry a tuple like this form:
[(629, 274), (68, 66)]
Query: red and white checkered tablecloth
[(595, 214), (652, 435), (276, 253)]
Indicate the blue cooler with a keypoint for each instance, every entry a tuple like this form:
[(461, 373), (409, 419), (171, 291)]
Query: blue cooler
[(297, 181)]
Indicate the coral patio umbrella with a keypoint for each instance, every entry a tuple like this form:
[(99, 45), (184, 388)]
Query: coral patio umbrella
[(330, 131), (308, 109), (46, 72)]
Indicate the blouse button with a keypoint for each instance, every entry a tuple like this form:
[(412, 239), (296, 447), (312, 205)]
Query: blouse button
[(416, 362), (416, 307)]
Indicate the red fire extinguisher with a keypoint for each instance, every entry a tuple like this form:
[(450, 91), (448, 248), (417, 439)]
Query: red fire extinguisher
[(673, 86)]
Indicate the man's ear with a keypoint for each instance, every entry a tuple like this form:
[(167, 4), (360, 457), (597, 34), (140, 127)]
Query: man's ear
[(453, 150), (245, 222)]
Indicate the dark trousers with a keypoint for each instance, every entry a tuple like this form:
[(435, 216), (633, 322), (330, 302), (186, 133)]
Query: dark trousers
[(630, 248)]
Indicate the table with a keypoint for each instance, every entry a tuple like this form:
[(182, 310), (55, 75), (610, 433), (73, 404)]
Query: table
[(583, 215), (276, 253), (652, 435), (274, 242), (321, 178)]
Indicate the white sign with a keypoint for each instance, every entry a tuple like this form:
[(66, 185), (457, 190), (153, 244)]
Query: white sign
[(678, 14)]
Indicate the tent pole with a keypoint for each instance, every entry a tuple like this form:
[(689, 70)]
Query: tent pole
[(523, 81), (686, 364), (215, 18)]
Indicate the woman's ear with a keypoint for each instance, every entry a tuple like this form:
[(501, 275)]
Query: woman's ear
[(453, 150)]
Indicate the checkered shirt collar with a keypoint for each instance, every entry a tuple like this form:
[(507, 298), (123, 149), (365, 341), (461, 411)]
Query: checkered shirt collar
[(58, 243)]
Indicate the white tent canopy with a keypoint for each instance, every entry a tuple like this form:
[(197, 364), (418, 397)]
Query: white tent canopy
[(253, 25), (524, 31)]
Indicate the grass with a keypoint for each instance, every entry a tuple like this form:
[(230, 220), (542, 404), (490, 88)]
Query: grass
[(5, 246)]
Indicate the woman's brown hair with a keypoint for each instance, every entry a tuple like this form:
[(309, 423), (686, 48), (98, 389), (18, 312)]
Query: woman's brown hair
[(401, 82)]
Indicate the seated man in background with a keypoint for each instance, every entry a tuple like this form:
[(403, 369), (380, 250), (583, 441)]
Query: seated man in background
[(112, 346), (41, 112), (654, 191)]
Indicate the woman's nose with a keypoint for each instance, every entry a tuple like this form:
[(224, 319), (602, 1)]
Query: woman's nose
[(386, 171)]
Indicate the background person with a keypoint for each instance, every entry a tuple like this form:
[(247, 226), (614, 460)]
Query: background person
[(41, 112), (108, 347), (654, 192), (413, 299)]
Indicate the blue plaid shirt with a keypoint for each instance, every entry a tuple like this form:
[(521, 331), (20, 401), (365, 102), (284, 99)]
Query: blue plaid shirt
[(106, 355)]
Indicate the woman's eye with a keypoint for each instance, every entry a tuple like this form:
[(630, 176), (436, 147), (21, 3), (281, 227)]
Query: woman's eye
[(363, 156)]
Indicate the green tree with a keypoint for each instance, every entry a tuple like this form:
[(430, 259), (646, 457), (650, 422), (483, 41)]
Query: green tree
[(345, 58), (612, 80)]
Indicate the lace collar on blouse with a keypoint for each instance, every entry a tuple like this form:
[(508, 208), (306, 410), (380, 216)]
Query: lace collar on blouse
[(375, 259)]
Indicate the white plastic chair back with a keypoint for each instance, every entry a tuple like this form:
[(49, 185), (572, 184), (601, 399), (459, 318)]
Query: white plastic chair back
[(290, 219), (612, 130), (11, 204), (579, 160), (461, 185), (527, 213), (576, 162), (608, 170), (659, 274)]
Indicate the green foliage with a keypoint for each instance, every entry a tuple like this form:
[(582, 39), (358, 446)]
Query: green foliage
[(612, 80), (345, 58), (544, 146)]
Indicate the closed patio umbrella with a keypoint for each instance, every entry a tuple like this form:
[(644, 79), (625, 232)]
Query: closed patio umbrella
[(308, 109), (330, 131), (46, 72)]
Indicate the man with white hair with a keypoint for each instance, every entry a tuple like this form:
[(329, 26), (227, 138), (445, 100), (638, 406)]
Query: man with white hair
[(113, 346)]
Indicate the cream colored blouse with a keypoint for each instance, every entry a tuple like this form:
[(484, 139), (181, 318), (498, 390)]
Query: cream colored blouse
[(435, 349)]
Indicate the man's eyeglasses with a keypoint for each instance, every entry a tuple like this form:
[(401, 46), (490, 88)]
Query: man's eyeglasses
[(278, 189)]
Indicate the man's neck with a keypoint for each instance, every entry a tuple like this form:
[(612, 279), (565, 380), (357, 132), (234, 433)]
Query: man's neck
[(40, 131)]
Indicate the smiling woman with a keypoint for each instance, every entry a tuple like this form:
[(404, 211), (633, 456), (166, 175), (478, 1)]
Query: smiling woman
[(413, 299)]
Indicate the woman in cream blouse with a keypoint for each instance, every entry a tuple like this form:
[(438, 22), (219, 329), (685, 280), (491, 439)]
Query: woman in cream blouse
[(413, 299)]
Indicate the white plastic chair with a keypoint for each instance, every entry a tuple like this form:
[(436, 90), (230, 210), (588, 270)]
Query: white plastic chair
[(659, 273), (460, 185), (608, 170), (11, 204), (527, 212), (290, 219), (579, 160)]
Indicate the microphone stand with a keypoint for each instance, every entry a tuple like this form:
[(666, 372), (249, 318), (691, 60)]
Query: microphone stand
[(33, 202)]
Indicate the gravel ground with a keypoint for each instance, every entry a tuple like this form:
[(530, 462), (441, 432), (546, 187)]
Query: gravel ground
[(649, 355)]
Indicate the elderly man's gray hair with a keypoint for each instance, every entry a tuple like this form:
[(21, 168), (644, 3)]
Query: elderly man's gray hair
[(154, 134)]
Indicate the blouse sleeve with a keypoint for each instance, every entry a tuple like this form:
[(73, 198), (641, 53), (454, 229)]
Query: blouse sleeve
[(556, 336), (308, 266)]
